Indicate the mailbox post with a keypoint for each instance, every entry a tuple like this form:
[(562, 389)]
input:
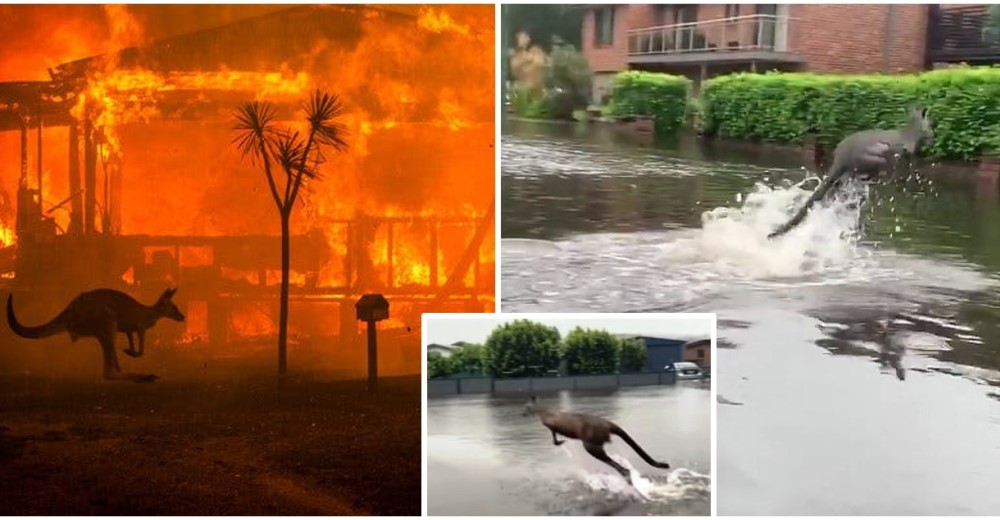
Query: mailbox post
[(372, 308)]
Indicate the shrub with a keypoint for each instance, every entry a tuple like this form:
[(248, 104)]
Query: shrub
[(662, 96), (529, 104), (633, 355), (964, 106), (468, 360), (568, 81), (522, 348), (591, 352), (438, 365)]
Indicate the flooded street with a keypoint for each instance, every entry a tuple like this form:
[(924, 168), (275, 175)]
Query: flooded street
[(594, 222), (485, 458)]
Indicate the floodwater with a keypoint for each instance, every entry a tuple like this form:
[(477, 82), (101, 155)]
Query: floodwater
[(857, 368), (484, 457)]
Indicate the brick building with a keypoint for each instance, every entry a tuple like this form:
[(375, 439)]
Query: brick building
[(705, 40)]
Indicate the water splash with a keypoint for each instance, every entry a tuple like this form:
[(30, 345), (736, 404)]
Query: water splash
[(733, 240), (678, 484)]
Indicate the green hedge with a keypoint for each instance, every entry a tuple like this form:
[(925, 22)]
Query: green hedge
[(963, 103), (529, 105), (662, 96)]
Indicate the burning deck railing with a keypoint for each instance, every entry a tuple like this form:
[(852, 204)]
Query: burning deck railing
[(758, 32)]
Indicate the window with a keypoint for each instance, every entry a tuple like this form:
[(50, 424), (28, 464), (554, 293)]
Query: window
[(732, 11), (701, 353), (604, 26)]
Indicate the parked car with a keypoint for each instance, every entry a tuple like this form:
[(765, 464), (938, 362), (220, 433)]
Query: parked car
[(685, 370)]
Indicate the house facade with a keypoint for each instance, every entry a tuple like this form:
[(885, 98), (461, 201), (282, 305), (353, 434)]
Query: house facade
[(705, 40), (699, 352)]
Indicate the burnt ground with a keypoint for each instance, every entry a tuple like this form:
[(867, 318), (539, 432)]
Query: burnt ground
[(235, 445)]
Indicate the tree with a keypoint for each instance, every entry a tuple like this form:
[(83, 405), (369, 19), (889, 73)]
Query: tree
[(633, 355), (468, 359), (545, 22), (439, 365), (522, 348), (568, 80), (296, 155), (589, 352)]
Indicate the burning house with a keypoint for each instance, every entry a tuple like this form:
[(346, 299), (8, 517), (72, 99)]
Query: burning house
[(118, 170)]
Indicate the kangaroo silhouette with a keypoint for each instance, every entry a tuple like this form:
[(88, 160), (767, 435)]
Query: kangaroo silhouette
[(865, 153), (594, 432), (101, 314)]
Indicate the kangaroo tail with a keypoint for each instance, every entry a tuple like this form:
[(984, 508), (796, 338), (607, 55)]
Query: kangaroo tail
[(55, 326), (817, 195), (615, 429)]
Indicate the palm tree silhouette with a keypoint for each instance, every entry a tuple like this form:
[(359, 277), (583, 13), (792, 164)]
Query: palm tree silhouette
[(298, 156)]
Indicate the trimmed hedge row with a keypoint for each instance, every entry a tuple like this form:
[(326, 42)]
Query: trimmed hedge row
[(963, 103), (662, 96)]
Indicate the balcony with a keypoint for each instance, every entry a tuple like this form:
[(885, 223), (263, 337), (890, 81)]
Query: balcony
[(758, 37), (961, 34)]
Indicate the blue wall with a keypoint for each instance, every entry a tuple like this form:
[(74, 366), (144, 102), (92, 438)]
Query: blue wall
[(661, 351)]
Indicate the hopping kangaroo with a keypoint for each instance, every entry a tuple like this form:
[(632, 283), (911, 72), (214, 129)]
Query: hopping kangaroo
[(593, 432), (101, 314), (865, 153)]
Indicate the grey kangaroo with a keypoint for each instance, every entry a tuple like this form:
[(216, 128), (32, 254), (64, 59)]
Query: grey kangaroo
[(865, 153), (101, 314), (593, 432)]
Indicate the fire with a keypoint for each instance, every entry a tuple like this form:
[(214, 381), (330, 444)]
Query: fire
[(6, 236), (419, 93), (439, 21)]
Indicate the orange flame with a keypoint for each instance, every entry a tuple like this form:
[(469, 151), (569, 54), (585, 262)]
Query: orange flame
[(419, 94)]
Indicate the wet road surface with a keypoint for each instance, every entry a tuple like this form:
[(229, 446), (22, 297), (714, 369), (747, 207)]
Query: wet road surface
[(486, 458), (812, 327)]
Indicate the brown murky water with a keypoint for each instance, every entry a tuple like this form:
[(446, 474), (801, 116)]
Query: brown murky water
[(592, 221)]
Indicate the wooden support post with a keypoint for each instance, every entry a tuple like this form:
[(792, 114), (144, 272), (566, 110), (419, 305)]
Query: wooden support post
[(75, 191), (24, 153), (89, 178), (372, 357), (39, 160)]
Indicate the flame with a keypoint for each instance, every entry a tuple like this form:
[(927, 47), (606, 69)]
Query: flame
[(419, 95), (6, 236), (438, 21)]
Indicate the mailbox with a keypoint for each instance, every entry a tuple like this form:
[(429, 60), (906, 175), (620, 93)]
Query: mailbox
[(372, 307)]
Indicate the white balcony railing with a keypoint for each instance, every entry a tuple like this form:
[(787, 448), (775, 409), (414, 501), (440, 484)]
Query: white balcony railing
[(759, 32)]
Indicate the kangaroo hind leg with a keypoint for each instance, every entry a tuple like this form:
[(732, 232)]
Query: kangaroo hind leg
[(597, 451), (106, 337), (131, 351)]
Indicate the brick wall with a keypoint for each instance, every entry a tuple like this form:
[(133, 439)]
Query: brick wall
[(830, 38), (833, 38), (615, 57), (608, 61)]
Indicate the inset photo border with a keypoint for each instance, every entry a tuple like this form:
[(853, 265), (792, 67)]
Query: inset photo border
[(568, 414)]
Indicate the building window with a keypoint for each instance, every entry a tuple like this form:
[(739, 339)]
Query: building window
[(732, 11), (701, 353), (604, 26)]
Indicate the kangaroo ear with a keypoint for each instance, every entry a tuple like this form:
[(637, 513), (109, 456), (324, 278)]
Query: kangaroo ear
[(168, 294)]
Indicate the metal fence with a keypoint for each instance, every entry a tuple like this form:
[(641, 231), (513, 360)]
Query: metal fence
[(526, 385), (741, 33)]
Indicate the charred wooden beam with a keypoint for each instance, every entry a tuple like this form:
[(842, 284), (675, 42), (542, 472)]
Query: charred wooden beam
[(75, 189), (89, 178)]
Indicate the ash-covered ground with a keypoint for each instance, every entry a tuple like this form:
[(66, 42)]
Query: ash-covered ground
[(214, 436)]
